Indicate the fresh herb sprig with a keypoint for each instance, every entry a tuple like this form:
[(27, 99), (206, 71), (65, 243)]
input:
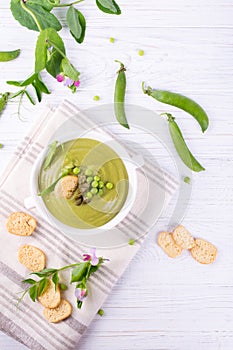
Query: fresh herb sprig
[(50, 53), (80, 274)]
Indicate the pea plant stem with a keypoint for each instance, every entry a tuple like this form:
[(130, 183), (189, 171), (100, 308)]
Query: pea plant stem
[(31, 14), (70, 4)]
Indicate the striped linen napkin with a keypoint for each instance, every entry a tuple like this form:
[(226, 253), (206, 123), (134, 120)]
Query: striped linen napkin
[(27, 324)]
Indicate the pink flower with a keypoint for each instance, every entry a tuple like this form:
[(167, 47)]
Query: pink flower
[(68, 82), (77, 83), (80, 294), (91, 257), (60, 78)]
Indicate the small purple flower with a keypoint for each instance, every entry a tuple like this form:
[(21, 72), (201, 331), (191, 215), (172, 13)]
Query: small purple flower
[(91, 257), (50, 48), (77, 83), (60, 78), (80, 294), (68, 82), (87, 257)]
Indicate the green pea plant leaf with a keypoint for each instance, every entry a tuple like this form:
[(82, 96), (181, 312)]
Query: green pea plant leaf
[(76, 23), (50, 53), (108, 6), (80, 274)]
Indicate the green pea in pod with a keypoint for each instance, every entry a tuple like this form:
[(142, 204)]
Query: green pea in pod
[(119, 96), (6, 56), (3, 101), (180, 145), (180, 101)]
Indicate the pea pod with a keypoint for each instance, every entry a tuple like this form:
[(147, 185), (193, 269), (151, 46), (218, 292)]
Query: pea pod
[(180, 101), (119, 96), (9, 55), (181, 147), (3, 101)]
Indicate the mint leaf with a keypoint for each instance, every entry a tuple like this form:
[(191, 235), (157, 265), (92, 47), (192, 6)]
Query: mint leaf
[(48, 38), (33, 291), (44, 18), (77, 24), (108, 6), (42, 285), (79, 272), (69, 70)]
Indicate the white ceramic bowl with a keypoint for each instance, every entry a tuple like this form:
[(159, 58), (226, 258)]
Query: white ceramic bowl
[(36, 201)]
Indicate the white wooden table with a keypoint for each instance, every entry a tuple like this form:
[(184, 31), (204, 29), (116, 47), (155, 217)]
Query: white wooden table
[(159, 303)]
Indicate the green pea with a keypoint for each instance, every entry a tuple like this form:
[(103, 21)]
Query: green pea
[(119, 96), (96, 178), (109, 185), (187, 179), (89, 179), (181, 147), (88, 172), (112, 40), (96, 98), (76, 170), (179, 101), (141, 53), (1, 145), (94, 190), (94, 184), (63, 286), (101, 312), (131, 241), (89, 195), (101, 184), (100, 192)]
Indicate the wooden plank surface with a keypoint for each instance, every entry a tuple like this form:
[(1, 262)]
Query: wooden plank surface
[(158, 304)]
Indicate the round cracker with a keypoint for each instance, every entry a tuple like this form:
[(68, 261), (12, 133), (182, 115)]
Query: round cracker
[(167, 243), (32, 258), (20, 224), (69, 184), (61, 312), (204, 252), (183, 237), (50, 298)]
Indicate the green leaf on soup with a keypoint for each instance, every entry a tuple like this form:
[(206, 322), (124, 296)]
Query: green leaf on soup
[(108, 6), (50, 155), (76, 23)]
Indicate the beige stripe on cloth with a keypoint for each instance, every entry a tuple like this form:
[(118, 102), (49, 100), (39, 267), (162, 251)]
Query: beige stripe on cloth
[(27, 324)]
